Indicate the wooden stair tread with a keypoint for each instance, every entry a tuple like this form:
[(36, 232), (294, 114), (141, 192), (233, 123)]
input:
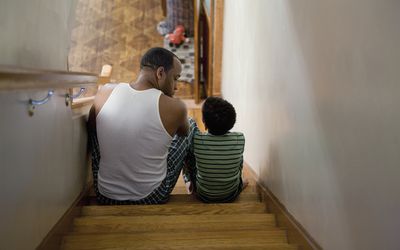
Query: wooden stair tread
[(143, 227), (175, 239), (251, 188), (175, 209), (177, 219), (121, 224), (184, 198), (194, 246), (181, 235)]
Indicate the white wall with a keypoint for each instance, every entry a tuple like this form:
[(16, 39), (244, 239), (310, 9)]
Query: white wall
[(316, 85), (35, 33), (42, 158)]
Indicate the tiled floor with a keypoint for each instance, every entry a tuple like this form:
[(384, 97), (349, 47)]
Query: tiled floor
[(116, 32)]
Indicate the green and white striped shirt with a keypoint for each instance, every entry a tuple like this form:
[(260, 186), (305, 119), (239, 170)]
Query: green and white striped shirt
[(219, 163)]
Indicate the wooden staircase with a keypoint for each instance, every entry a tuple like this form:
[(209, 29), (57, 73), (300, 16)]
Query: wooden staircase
[(182, 223)]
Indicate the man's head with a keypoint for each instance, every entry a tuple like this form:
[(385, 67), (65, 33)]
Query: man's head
[(165, 65), (219, 116)]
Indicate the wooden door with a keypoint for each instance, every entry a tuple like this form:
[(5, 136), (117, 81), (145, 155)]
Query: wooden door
[(208, 48)]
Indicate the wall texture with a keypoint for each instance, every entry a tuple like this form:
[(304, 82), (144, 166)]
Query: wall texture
[(35, 33), (316, 88), (42, 158)]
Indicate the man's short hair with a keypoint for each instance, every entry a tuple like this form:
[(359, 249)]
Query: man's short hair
[(158, 57), (218, 115)]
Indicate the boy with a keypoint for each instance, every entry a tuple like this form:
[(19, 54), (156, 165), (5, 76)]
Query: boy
[(217, 176)]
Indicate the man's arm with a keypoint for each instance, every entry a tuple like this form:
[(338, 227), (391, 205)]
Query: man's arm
[(101, 97), (183, 129), (173, 115), (99, 100), (91, 124)]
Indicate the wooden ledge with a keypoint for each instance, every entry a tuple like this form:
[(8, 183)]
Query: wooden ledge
[(80, 102), (16, 78)]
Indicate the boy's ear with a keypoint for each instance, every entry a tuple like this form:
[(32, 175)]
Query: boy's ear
[(205, 125)]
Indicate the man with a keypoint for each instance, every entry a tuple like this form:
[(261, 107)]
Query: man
[(144, 136)]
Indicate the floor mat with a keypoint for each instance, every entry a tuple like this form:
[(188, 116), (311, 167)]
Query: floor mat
[(185, 52)]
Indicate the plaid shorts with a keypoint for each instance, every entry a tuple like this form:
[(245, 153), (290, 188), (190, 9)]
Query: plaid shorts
[(180, 151)]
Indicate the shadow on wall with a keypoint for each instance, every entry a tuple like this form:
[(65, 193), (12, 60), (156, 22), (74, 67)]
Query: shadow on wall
[(351, 53), (272, 168)]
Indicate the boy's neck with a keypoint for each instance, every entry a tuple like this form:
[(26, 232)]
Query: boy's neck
[(208, 132)]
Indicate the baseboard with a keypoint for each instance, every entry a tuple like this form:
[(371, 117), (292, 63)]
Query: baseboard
[(54, 237), (296, 233)]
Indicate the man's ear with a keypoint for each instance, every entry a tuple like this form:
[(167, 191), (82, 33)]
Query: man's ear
[(160, 72)]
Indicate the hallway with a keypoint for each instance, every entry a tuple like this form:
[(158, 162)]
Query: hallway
[(315, 86)]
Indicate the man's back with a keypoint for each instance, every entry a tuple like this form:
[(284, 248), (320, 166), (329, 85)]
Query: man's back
[(132, 146), (133, 143), (173, 111)]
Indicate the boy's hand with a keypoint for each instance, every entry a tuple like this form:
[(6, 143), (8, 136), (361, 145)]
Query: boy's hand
[(189, 187)]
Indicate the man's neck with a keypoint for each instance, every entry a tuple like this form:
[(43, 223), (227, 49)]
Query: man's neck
[(143, 82)]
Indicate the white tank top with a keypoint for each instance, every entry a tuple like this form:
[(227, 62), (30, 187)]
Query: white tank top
[(133, 144)]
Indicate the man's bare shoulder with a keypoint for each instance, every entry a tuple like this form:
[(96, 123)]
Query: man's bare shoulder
[(105, 90), (174, 105), (102, 95), (173, 114)]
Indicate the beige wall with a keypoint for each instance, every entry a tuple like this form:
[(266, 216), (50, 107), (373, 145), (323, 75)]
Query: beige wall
[(42, 158), (316, 87), (35, 33)]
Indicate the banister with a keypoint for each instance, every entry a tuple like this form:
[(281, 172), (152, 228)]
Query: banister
[(17, 78)]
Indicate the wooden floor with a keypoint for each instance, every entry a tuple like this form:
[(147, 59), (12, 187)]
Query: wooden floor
[(116, 32)]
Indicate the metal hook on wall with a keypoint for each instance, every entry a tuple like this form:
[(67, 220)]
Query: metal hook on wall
[(34, 103), (69, 98)]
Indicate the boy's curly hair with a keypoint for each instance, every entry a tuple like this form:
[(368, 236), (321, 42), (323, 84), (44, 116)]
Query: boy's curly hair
[(219, 115)]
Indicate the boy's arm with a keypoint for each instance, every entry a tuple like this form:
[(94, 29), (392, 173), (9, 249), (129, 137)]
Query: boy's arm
[(244, 141)]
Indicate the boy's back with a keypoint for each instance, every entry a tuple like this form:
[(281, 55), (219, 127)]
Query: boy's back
[(219, 163), (217, 173)]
